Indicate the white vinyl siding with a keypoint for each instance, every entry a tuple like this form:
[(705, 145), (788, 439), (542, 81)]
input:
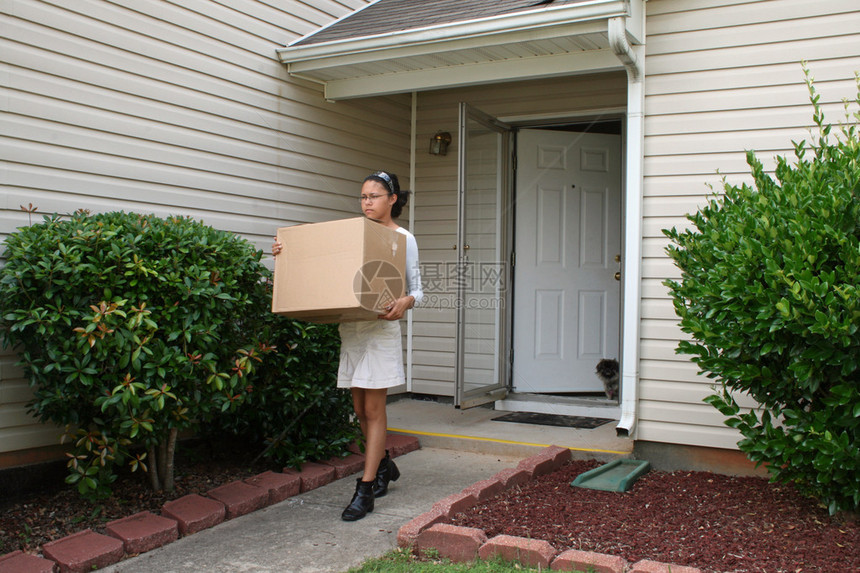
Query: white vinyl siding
[(721, 77), (175, 108), (436, 197), (181, 107)]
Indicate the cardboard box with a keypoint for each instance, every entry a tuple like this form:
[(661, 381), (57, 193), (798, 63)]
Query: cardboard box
[(338, 271)]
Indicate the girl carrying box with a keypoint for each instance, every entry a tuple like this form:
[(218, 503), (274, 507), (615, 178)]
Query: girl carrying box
[(371, 354)]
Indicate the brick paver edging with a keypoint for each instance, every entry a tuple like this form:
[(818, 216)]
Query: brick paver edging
[(86, 550), (433, 529)]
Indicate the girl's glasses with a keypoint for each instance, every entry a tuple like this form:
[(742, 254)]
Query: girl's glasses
[(372, 198)]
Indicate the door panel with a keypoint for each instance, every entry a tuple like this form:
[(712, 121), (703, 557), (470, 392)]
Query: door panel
[(549, 309), (483, 268), (567, 294)]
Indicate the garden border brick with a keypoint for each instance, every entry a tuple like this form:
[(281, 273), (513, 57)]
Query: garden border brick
[(409, 532), (239, 497), (84, 551), (485, 489), (313, 475), (512, 477), (456, 503), (343, 467), (400, 444), (547, 461), (575, 560), (452, 542), (648, 566), (194, 513), (280, 486), (20, 562), (530, 552), (143, 531)]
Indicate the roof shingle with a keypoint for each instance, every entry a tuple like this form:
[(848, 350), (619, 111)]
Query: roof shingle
[(389, 16)]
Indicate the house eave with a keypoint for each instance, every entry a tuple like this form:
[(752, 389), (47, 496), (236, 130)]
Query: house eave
[(410, 60), (471, 75)]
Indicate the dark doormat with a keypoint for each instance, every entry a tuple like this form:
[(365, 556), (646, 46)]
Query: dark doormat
[(552, 420)]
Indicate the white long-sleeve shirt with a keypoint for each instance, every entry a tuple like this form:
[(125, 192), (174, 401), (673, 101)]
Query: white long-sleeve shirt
[(413, 271)]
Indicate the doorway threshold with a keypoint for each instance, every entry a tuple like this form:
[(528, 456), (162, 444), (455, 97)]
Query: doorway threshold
[(585, 406)]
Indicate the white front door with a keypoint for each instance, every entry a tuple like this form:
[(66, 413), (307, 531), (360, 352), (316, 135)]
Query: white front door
[(568, 248)]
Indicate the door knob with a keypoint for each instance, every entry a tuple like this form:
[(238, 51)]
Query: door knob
[(618, 276), (617, 258)]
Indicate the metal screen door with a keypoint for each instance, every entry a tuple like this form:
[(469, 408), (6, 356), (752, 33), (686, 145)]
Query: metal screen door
[(483, 263)]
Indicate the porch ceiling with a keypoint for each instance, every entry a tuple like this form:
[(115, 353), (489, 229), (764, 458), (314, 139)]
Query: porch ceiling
[(382, 50)]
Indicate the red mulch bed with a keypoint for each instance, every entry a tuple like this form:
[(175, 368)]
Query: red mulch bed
[(30, 521), (714, 522)]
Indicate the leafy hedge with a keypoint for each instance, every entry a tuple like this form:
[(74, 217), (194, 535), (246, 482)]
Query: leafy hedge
[(292, 410), (132, 329), (770, 293)]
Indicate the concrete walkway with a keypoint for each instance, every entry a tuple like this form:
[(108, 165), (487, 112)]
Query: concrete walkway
[(304, 534)]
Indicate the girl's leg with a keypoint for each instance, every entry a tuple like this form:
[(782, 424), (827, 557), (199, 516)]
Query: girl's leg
[(358, 406), (370, 408)]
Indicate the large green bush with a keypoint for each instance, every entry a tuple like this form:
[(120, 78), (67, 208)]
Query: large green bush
[(770, 294), (132, 329), (293, 412)]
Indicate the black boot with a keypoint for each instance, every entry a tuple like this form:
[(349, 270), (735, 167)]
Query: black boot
[(362, 501), (386, 472)]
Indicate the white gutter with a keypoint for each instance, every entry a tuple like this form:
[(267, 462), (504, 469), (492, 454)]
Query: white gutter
[(413, 131), (633, 59)]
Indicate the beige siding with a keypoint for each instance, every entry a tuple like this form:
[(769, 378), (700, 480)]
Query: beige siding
[(176, 108), (436, 197), (721, 77), (182, 108)]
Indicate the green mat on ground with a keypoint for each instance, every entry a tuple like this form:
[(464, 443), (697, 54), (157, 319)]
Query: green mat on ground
[(617, 475)]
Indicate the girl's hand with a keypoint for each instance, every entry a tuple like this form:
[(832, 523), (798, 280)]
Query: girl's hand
[(398, 308), (277, 247)]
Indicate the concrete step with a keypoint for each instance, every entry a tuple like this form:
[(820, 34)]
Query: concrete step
[(587, 406), (440, 425)]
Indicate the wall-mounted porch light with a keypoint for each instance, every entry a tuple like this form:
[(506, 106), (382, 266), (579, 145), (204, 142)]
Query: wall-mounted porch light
[(439, 143)]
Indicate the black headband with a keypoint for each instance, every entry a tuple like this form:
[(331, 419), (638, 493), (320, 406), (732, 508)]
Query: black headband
[(385, 177)]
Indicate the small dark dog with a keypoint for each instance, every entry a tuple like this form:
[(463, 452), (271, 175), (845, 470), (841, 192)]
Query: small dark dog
[(607, 371)]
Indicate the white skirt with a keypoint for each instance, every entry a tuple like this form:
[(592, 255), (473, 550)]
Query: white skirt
[(371, 355)]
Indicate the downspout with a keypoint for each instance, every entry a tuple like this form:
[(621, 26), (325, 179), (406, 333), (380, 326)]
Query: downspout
[(413, 135), (633, 59)]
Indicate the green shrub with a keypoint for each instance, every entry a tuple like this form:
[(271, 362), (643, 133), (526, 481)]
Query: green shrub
[(130, 328), (769, 294), (293, 411)]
